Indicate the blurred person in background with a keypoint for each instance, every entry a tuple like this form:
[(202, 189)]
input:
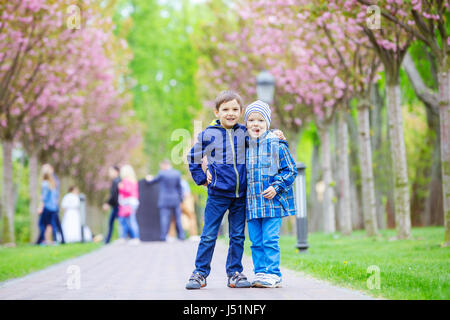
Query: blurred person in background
[(128, 204), (71, 222), (113, 200), (170, 197), (48, 206)]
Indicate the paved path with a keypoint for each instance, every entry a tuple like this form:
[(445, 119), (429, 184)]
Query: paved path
[(157, 270)]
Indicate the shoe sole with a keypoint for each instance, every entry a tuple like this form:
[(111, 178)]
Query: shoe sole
[(234, 286), (202, 286), (263, 285)]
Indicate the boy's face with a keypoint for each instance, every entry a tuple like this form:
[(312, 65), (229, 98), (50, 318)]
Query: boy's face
[(229, 113), (256, 125)]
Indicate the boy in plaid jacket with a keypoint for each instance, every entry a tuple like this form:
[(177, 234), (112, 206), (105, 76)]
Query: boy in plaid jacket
[(271, 172)]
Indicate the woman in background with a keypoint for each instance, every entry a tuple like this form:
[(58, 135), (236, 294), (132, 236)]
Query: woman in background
[(48, 207), (128, 204), (71, 223)]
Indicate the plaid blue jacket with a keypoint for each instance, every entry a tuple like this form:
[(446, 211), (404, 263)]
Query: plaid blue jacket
[(269, 163)]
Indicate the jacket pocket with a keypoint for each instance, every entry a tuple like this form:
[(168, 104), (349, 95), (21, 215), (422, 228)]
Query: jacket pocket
[(224, 178), (269, 163)]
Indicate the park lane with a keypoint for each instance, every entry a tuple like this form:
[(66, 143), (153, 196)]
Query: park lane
[(157, 270)]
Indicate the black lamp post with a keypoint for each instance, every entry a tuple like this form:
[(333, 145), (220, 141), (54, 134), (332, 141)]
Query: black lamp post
[(300, 200), (265, 89), (265, 86)]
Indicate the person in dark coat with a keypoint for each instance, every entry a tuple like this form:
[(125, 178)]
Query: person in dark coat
[(113, 200), (170, 197)]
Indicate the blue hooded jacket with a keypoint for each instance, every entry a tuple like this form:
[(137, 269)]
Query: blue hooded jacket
[(225, 150)]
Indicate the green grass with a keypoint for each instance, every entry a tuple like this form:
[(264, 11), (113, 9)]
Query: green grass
[(409, 269), (24, 259)]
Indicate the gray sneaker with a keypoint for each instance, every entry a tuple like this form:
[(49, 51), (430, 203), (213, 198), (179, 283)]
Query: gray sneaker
[(238, 280), (196, 281), (257, 280), (270, 281)]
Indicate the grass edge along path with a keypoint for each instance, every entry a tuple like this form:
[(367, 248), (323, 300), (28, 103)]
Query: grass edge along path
[(413, 269), (25, 259)]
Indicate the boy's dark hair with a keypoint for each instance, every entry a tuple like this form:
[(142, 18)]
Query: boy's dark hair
[(71, 188), (116, 167), (226, 96)]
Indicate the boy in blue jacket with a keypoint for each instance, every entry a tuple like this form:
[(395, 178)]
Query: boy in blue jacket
[(223, 142)]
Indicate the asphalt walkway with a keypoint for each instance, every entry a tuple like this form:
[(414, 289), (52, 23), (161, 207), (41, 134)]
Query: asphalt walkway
[(157, 270)]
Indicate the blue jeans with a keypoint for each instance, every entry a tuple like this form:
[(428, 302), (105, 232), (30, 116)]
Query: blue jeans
[(126, 227), (56, 225), (112, 217), (134, 224), (264, 234), (216, 206), (46, 218), (165, 214)]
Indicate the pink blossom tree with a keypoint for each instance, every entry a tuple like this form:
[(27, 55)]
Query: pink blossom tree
[(62, 97), (427, 22), (320, 58), (391, 43), (33, 38)]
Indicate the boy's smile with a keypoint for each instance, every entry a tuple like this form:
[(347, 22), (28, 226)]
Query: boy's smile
[(256, 125), (229, 113)]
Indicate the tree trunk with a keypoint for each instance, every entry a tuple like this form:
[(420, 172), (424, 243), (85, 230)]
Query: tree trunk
[(365, 159), (355, 176), (343, 183), (357, 221), (398, 152), (444, 112), (8, 194), (34, 195), (376, 124), (315, 206), (430, 211), (329, 223)]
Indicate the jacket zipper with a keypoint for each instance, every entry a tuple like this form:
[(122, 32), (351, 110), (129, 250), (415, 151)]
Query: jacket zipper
[(215, 177), (234, 162)]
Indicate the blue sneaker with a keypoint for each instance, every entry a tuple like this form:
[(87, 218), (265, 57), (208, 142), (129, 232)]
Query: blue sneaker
[(238, 280), (196, 281)]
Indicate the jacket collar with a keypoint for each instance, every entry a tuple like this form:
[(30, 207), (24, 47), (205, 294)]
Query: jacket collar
[(216, 124)]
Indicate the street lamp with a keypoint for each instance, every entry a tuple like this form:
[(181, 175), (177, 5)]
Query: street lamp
[(265, 89), (265, 86), (300, 199)]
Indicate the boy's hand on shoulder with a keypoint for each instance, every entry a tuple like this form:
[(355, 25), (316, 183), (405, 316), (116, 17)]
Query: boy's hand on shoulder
[(279, 134), (269, 193)]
